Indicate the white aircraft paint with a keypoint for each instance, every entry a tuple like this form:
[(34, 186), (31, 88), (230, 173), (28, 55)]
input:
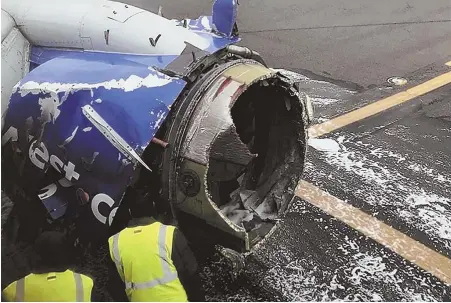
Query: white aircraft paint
[(99, 25), (130, 84), (7, 24), (15, 54), (92, 25)]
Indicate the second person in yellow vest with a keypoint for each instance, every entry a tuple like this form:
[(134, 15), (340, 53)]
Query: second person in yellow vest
[(51, 280), (152, 261)]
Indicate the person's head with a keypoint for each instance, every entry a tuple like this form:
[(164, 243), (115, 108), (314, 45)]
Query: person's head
[(53, 251), (141, 205)]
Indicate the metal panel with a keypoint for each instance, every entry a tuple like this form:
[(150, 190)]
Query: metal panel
[(247, 73), (215, 120), (201, 206), (49, 23), (7, 24), (40, 55), (15, 64), (203, 26), (129, 101), (87, 43), (224, 16), (143, 33), (93, 25), (120, 12)]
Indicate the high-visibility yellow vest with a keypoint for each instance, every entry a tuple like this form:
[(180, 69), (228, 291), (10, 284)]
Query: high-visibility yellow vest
[(142, 255), (65, 286)]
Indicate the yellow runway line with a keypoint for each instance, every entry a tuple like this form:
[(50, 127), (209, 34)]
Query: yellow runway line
[(410, 249), (379, 106)]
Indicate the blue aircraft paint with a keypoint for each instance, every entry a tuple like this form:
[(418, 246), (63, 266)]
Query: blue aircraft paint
[(217, 42), (121, 65), (134, 111), (40, 55), (204, 27), (224, 16)]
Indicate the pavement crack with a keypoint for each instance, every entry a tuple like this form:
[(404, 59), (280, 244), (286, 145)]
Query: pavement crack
[(343, 26)]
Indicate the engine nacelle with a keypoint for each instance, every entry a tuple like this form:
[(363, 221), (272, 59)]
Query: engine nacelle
[(238, 148), (215, 137)]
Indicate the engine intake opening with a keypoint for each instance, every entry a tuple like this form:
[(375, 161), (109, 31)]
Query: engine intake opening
[(254, 166), (238, 150)]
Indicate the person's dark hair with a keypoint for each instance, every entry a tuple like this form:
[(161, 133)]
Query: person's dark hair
[(53, 252), (141, 204)]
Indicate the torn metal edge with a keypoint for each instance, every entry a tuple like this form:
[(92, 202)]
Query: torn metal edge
[(291, 91), (111, 135)]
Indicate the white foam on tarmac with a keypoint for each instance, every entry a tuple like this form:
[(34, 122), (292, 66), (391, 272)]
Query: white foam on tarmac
[(323, 101), (360, 278), (431, 173), (386, 186), (369, 266), (328, 145)]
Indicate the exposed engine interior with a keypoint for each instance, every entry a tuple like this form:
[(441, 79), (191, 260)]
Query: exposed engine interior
[(233, 154), (198, 126), (254, 184)]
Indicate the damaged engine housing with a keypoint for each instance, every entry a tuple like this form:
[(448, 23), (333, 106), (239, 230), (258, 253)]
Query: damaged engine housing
[(237, 143), (202, 127)]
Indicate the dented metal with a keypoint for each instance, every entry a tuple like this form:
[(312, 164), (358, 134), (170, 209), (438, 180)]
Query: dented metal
[(212, 150), (80, 124)]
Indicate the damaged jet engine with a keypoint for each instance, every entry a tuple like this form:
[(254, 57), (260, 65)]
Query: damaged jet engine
[(105, 98)]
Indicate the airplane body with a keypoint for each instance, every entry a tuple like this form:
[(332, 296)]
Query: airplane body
[(101, 97)]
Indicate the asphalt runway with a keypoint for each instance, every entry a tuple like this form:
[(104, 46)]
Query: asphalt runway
[(394, 166), (364, 42)]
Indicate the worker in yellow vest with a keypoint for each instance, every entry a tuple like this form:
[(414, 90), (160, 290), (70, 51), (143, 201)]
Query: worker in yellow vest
[(152, 260), (50, 280)]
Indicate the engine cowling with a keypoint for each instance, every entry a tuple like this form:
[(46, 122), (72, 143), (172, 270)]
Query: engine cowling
[(238, 147), (81, 128)]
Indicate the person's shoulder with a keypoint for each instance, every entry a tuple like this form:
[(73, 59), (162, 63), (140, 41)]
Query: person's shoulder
[(168, 226), (179, 238), (110, 239), (9, 292), (89, 281), (175, 231)]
